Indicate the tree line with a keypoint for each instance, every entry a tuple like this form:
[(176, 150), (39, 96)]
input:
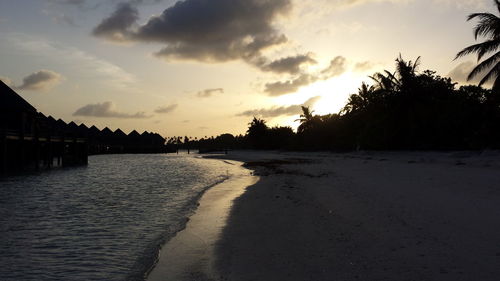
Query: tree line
[(403, 109)]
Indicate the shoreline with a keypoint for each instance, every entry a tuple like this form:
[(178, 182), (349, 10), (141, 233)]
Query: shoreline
[(350, 216), (365, 216), (189, 255)]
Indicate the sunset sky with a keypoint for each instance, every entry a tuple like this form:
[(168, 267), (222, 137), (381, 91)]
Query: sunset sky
[(205, 67)]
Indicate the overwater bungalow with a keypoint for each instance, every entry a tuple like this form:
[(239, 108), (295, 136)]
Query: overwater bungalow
[(28, 139)]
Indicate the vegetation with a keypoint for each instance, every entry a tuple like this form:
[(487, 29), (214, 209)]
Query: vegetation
[(404, 109), (489, 27)]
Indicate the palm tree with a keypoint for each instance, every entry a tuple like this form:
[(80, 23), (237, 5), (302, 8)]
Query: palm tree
[(307, 120), (488, 27), (360, 100), (401, 80)]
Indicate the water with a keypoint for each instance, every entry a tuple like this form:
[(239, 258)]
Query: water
[(105, 221)]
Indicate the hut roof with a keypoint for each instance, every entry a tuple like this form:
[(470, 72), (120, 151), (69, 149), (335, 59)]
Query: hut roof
[(10, 100), (51, 119), (119, 133), (134, 134), (106, 132), (61, 123), (93, 131), (72, 125)]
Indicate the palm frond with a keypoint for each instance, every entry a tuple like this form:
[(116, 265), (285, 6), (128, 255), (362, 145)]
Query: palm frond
[(483, 66), (488, 47), (416, 64), (488, 25), (476, 48), (494, 72), (496, 85), (390, 76)]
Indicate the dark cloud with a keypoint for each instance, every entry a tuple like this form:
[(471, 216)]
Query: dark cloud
[(209, 92), (40, 80), (116, 27), (202, 30), (279, 111), (337, 67), (290, 65), (166, 109), (107, 109), (281, 88)]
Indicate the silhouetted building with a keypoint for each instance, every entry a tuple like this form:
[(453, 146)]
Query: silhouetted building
[(30, 139)]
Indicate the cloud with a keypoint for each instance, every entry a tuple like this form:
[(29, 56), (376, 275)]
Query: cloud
[(279, 111), (6, 80), (116, 27), (364, 66), (461, 72), (70, 2), (207, 31), (166, 109), (323, 4), (63, 18), (281, 88), (336, 67), (209, 92), (464, 4), (107, 109), (59, 17), (77, 61), (290, 65), (40, 80)]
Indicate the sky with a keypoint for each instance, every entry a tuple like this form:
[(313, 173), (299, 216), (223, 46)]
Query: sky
[(206, 67)]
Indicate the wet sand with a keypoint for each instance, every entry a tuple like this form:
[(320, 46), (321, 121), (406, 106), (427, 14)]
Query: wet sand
[(190, 254), (357, 216)]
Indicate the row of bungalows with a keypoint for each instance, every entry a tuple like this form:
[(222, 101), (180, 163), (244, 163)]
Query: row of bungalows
[(29, 139), (106, 141)]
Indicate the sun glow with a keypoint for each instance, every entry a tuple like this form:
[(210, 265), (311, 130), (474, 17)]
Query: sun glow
[(333, 94)]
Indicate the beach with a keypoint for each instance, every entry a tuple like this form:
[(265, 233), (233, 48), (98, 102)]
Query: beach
[(363, 216)]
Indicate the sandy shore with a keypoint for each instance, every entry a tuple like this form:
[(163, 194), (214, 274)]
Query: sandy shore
[(357, 216), (365, 216), (190, 254)]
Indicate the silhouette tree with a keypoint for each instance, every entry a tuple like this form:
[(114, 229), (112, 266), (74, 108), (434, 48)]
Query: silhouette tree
[(488, 27), (307, 120), (257, 132)]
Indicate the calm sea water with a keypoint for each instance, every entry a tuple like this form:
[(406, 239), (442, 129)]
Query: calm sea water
[(105, 221)]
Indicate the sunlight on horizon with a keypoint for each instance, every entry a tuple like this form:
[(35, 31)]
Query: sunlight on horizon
[(333, 94)]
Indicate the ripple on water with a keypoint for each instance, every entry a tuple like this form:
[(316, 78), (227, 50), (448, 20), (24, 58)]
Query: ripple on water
[(100, 222)]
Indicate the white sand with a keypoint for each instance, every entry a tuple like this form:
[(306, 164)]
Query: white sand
[(357, 216), (190, 254), (366, 216)]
